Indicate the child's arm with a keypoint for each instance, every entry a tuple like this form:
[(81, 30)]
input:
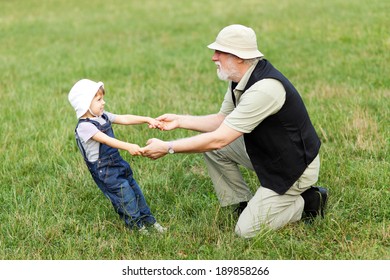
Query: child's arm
[(134, 119), (103, 138)]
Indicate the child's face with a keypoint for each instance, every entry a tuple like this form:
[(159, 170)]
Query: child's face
[(97, 104)]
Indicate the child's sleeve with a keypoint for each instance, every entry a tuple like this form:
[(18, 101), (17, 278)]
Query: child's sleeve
[(110, 116), (86, 131)]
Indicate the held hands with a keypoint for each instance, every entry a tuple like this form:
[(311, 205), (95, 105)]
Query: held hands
[(134, 149), (154, 123), (166, 122), (154, 149)]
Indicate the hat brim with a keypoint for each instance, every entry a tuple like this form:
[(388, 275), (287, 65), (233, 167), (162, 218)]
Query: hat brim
[(244, 54)]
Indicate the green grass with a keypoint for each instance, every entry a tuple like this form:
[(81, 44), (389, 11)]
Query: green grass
[(153, 59)]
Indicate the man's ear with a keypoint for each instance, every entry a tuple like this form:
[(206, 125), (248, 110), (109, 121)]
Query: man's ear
[(239, 60)]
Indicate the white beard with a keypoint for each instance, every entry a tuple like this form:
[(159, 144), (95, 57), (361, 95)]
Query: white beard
[(222, 75), (228, 74)]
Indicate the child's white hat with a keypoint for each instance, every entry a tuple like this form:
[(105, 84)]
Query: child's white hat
[(81, 95)]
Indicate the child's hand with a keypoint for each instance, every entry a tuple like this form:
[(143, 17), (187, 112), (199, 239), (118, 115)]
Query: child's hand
[(168, 121), (155, 148), (134, 149), (153, 123)]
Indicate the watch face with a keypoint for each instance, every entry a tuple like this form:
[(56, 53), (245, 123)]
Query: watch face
[(171, 151)]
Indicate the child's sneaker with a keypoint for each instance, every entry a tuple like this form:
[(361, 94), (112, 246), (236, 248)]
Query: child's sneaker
[(143, 231), (159, 227)]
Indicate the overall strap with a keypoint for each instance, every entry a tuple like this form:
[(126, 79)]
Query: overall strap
[(78, 142), (95, 123)]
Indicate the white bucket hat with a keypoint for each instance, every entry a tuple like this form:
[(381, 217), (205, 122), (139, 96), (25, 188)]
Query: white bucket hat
[(238, 40), (81, 95)]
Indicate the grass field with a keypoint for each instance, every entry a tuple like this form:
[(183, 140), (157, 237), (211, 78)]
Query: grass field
[(153, 59)]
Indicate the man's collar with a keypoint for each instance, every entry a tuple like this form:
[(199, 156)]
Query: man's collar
[(244, 80)]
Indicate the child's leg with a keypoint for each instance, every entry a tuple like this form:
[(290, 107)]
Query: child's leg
[(125, 202), (125, 194), (144, 210)]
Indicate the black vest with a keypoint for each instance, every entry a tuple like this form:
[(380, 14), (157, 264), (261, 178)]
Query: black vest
[(284, 144)]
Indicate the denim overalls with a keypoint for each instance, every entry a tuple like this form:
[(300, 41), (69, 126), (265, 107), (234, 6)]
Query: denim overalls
[(114, 177)]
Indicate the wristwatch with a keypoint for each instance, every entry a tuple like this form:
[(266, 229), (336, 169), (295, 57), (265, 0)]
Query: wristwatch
[(170, 148)]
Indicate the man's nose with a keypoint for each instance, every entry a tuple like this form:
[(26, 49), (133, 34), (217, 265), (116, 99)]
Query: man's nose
[(215, 56)]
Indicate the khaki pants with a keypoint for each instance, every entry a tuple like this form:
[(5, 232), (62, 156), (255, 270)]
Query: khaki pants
[(265, 207)]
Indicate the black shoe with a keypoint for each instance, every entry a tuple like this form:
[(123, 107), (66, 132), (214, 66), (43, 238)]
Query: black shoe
[(240, 208), (315, 201)]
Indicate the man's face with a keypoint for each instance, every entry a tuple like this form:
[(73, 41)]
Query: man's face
[(226, 66)]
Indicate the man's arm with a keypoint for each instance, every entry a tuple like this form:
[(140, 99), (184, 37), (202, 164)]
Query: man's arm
[(197, 123), (208, 141)]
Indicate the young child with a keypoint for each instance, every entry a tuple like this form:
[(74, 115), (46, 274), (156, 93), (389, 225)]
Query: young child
[(96, 141)]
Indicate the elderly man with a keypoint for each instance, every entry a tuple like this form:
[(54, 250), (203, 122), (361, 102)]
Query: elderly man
[(262, 125)]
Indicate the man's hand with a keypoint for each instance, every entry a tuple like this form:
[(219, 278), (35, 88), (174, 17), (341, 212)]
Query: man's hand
[(155, 149), (168, 121), (154, 123)]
